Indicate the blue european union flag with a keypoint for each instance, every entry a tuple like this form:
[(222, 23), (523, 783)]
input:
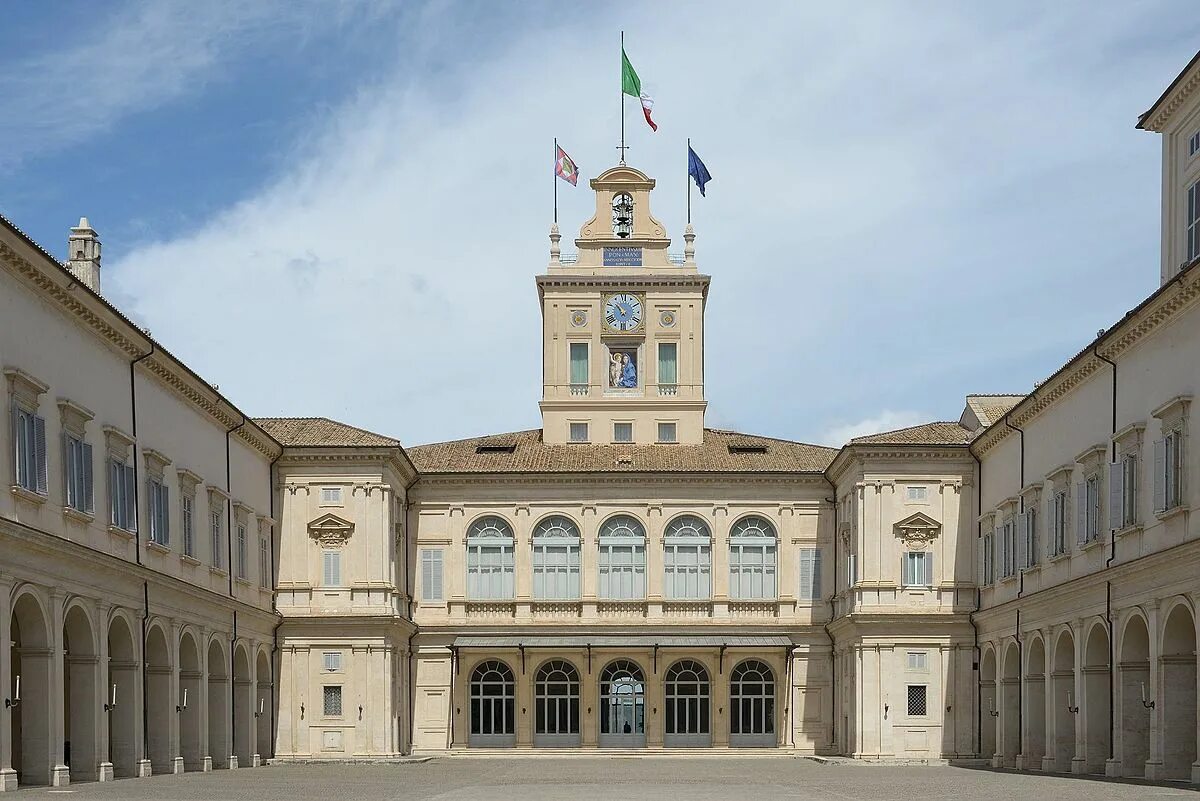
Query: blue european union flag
[(697, 171)]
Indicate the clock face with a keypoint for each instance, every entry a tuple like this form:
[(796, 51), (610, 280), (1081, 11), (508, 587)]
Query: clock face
[(623, 312)]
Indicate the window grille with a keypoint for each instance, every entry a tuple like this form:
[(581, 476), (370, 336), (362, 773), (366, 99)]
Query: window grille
[(333, 701), (917, 700)]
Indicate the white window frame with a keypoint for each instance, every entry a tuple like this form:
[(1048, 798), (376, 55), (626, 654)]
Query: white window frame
[(490, 568), (1129, 490), (264, 561), (918, 661), (79, 483), (687, 559), (122, 497), (29, 449), (159, 509), (753, 559), (1058, 521), (187, 522), (239, 551), (988, 546), (331, 496), (622, 562), (616, 426), (910, 560), (216, 532), (1169, 470), (670, 385), (571, 430), (810, 574), (331, 661), (672, 427), (556, 559), (579, 387), (432, 575), (1191, 209), (331, 568), (916, 493)]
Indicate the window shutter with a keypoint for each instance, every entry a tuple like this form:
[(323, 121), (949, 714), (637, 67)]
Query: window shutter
[(1160, 475), (982, 560), (816, 573), (1080, 513), (89, 503), (1022, 537), (164, 514), (39, 450), (928, 561), (1116, 495)]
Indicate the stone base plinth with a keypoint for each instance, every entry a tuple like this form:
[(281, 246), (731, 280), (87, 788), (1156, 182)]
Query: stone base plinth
[(106, 772), (177, 765), (1049, 764), (233, 762), (8, 780), (256, 761), (207, 764), (60, 776), (1112, 768), (1078, 765), (144, 771)]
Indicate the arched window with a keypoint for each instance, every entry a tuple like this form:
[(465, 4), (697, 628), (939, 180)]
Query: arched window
[(752, 704), (622, 558), (489, 559), (556, 704), (688, 705), (752, 559), (493, 698), (556, 559), (622, 705), (687, 558), (622, 215)]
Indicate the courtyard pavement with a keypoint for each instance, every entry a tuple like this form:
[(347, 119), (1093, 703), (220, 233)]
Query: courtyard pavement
[(657, 778)]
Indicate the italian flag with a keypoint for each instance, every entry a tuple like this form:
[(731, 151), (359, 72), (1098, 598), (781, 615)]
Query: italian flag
[(631, 85)]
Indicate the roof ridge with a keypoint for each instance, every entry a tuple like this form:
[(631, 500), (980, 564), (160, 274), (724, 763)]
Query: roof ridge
[(769, 438)]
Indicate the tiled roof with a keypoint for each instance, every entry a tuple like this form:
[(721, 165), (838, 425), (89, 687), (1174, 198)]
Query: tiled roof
[(990, 408), (525, 452), (940, 433), (321, 432)]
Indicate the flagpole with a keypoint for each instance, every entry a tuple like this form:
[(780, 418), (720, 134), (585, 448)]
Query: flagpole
[(554, 177), (622, 97), (689, 182)]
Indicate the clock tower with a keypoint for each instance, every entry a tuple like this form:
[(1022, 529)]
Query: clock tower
[(623, 327)]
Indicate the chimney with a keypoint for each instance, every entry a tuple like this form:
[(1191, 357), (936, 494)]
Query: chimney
[(83, 255)]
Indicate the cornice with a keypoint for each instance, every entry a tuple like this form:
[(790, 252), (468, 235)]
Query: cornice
[(1156, 311), (636, 479), (622, 281), (1157, 118)]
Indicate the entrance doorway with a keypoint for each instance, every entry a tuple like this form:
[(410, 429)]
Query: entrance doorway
[(622, 706)]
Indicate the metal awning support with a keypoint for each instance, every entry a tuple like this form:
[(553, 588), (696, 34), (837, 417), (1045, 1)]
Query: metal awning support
[(656, 659), (589, 653), (454, 658), (721, 659), (521, 648)]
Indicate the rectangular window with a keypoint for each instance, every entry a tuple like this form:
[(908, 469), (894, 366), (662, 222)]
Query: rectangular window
[(752, 571), (917, 494), (331, 496), (916, 660), (1087, 501), (851, 569), (579, 365), (668, 365), (431, 574), (333, 661), (122, 509), (490, 571), (917, 569), (331, 566), (579, 432), (1031, 536), (917, 700), (1007, 549), (1129, 494), (622, 571), (1193, 221), (667, 432), (187, 521), (160, 514), (241, 551), (1058, 523), (215, 526), (264, 563), (332, 707), (1168, 471), (622, 432), (29, 450), (810, 574), (987, 559), (77, 459), (1194, 144), (687, 569), (555, 567)]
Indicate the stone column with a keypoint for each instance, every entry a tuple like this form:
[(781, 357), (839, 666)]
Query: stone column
[(1079, 761), (173, 698), (655, 701), (654, 560), (1050, 749), (718, 699), (60, 774), (523, 561), (589, 561), (1195, 599), (203, 645), (104, 679), (720, 561), (8, 775), (252, 696), (523, 687), (1155, 769)]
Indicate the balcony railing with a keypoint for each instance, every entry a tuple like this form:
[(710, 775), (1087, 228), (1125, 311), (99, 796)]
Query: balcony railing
[(674, 259), (579, 389), (666, 390)]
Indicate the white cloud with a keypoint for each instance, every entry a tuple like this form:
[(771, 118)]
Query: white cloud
[(877, 177), (886, 420)]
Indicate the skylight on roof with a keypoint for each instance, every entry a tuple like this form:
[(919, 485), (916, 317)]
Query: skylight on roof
[(496, 448), (747, 448)]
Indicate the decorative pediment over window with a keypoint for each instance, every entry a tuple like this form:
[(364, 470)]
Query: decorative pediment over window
[(918, 530), (330, 530)]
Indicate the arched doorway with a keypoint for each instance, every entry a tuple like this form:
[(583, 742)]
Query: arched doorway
[(1010, 705), (1063, 700), (1035, 708), (121, 698), (622, 705), (987, 702), (493, 705), (1179, 683), (1133, 671), (190, 676), (81, 698), (1096, 699), (30, 719), (218, 706), (752, 705), (244, 707), (556, 704), (159, 707), (264, 706), (688, 706)]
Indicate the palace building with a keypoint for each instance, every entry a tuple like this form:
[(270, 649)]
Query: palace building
[(185, 587)]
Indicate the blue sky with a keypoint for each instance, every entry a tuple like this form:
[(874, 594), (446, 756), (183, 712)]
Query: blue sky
[(338, 208)]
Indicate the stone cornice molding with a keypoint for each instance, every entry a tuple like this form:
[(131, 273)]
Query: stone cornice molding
[(79, 304), (1156, 311), (575, 281), (620, 479), (379, 457), (330, 530), (1160, 114)]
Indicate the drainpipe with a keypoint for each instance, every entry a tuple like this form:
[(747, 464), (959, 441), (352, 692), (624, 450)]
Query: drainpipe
[(137, 482), (1020, 695), (1112, 555), (274, 608), (1021, 485), (145, 660), (233, 690), (832, 613), (229, 509), (975, 611)]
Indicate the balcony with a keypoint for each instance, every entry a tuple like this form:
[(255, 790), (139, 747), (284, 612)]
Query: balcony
[(687, 610), (623, 610), (668, 390), (754, 609), (490, 610), (579, 390), (554, 610)]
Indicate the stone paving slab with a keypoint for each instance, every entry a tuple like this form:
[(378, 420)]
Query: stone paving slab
[(659, 778)]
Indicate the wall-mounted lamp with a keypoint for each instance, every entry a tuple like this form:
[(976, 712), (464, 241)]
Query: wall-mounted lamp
[(16, 699), (112, 703), (992, 709), (1074, 710), (360, 712), (182, 706), (1145, 703), (259, 713), (302, 710)]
